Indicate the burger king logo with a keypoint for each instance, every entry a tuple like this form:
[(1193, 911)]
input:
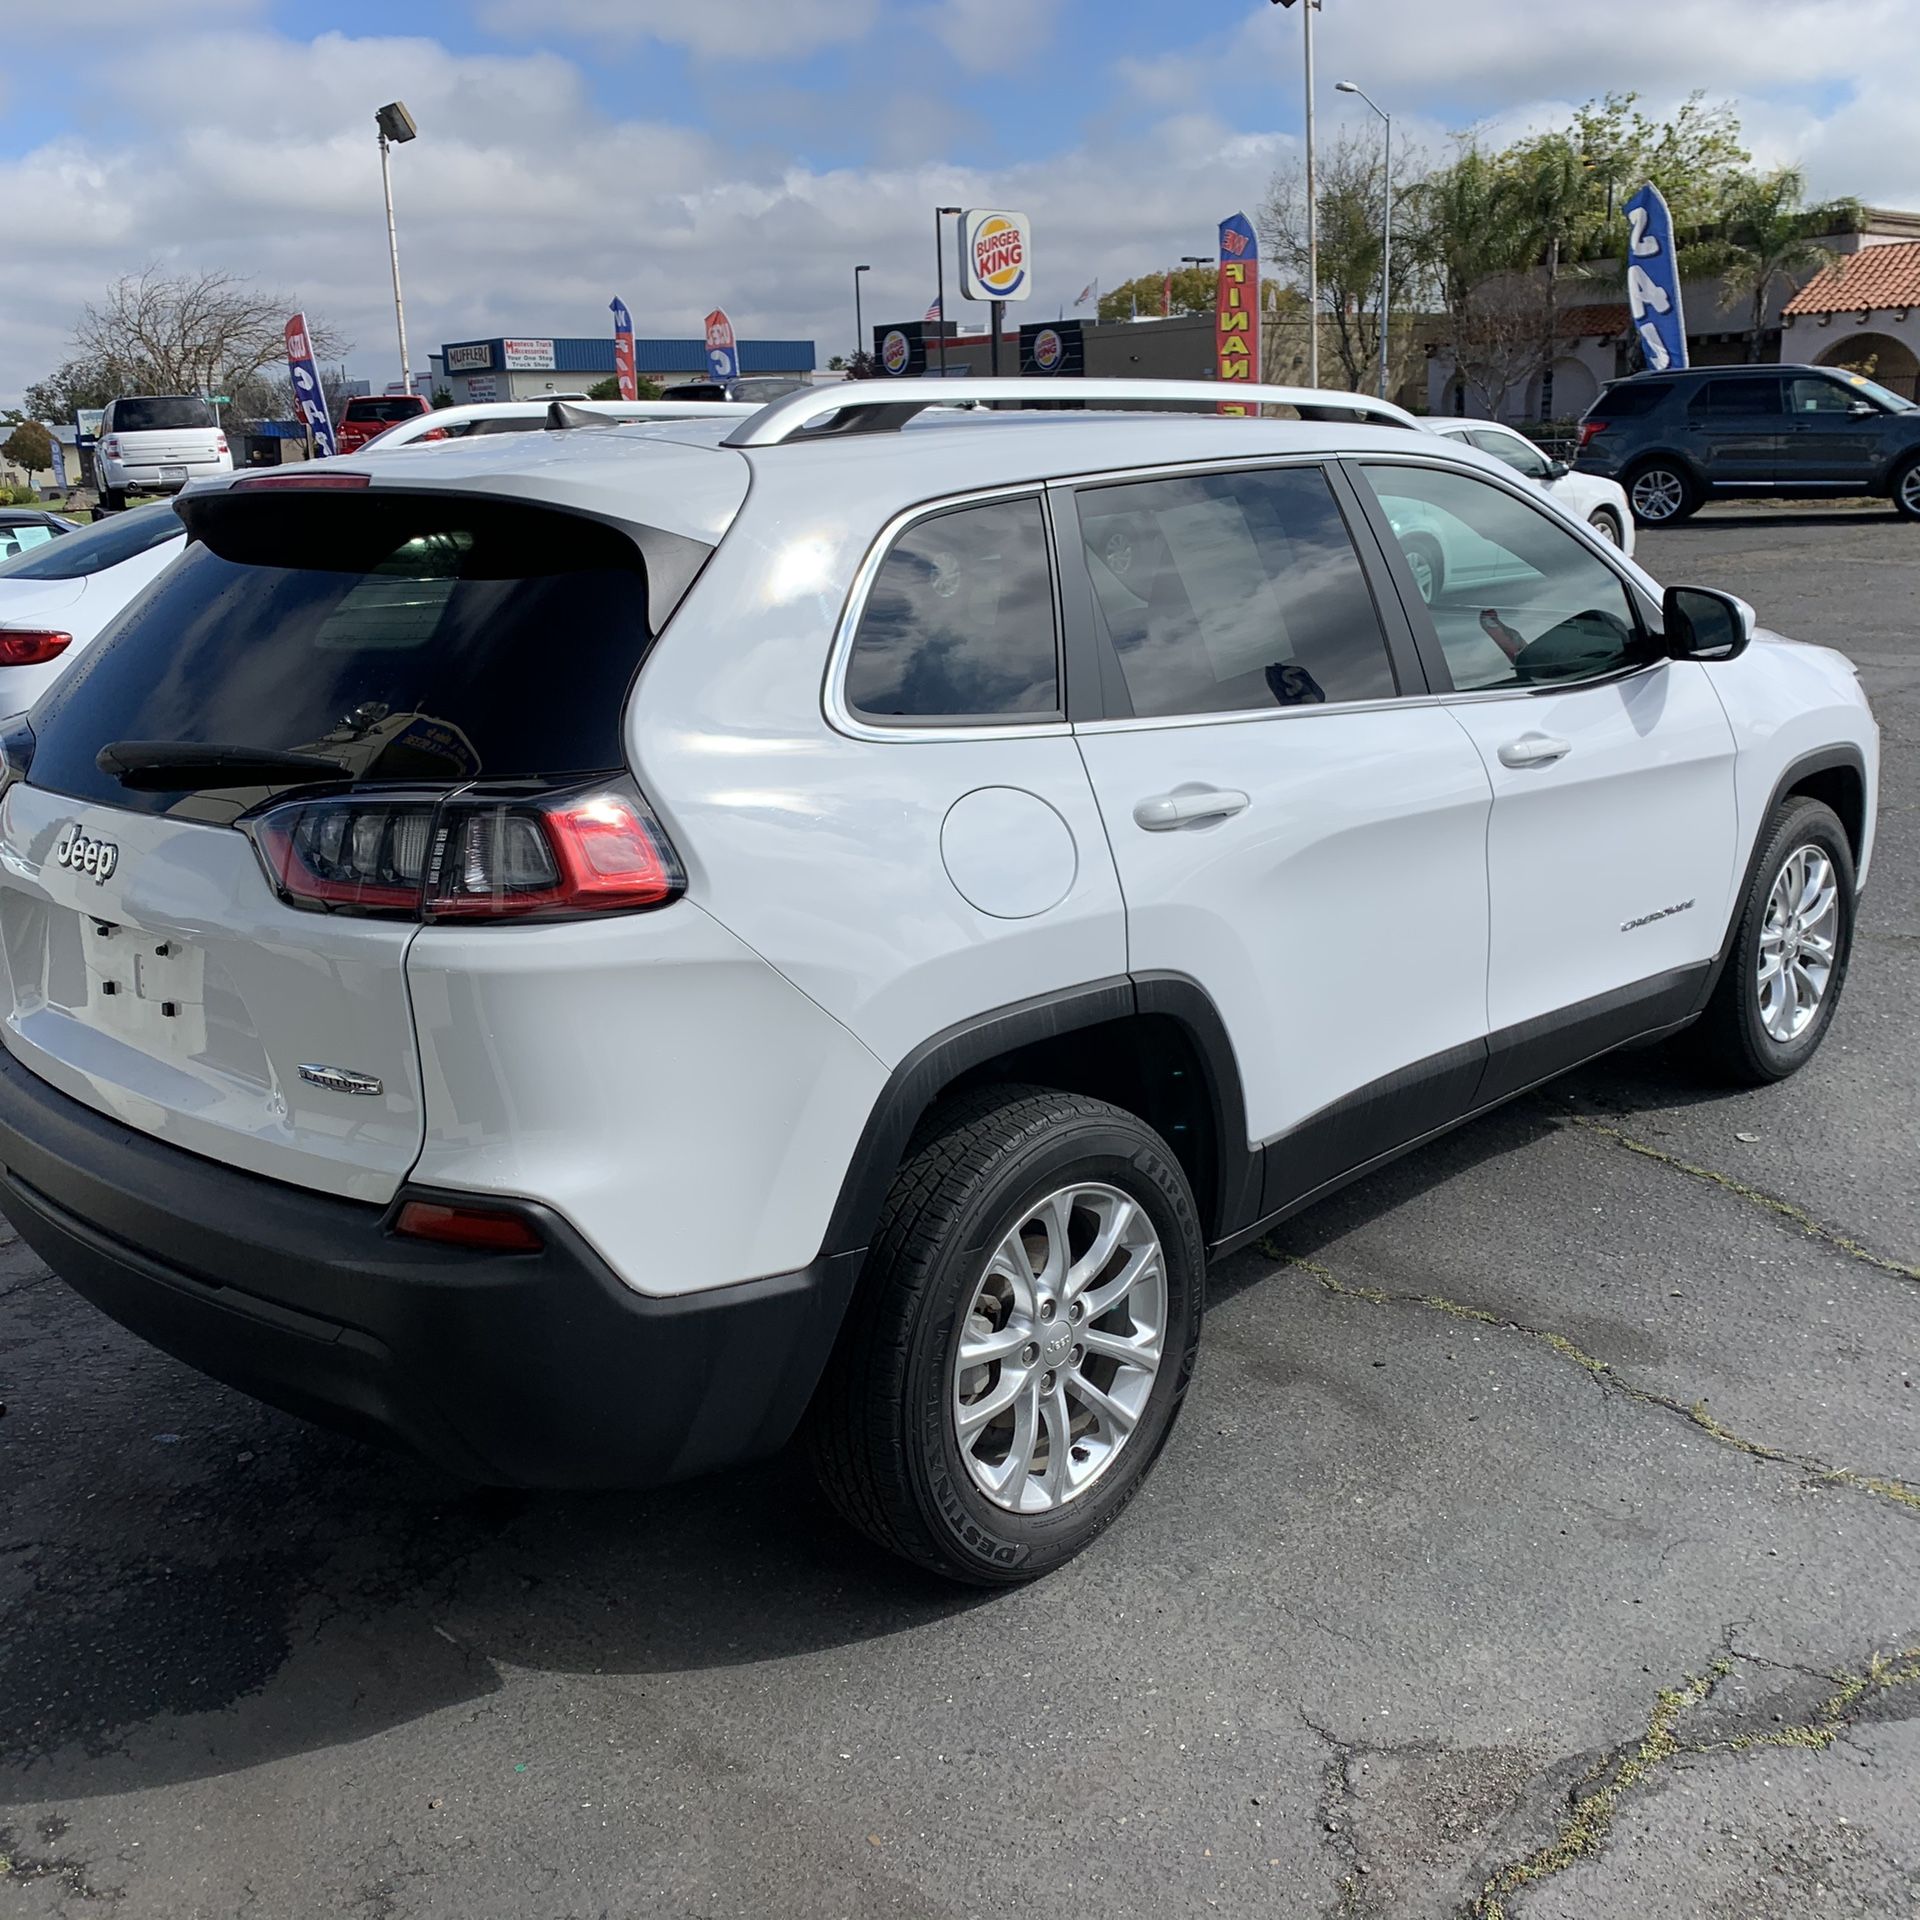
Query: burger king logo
[(1048, 350), (999, 257), (895, 352)]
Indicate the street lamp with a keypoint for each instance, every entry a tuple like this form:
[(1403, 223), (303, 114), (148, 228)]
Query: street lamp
[(1313, 205), (396, 129), (859, 326), (940, 278), (1386, 226)]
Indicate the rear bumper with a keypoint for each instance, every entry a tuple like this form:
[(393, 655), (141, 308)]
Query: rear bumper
[(516, 1369)]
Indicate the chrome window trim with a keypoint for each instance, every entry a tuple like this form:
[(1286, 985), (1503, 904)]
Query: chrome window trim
[(1184, 469), (841, 716), (1397, 703)]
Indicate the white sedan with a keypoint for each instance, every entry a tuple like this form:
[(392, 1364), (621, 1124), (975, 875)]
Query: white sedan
[(1600, 503), (56, 599)]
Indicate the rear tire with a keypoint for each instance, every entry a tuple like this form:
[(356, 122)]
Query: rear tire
[(974, 1199), (1661, 492), (1906, 490), (1787, 962), (113, 500)]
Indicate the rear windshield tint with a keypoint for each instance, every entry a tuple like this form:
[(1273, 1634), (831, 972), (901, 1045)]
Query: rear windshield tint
[(155, 416), (408, 637), (1628, 402), (104, 544), (398, 408)]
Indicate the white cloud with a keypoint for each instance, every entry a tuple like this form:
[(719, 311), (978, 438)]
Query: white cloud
[(731, 29), (984, 34), (524, 206)]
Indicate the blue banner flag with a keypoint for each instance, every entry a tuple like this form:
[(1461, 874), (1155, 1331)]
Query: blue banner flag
[(309, 398), (1653, 282)]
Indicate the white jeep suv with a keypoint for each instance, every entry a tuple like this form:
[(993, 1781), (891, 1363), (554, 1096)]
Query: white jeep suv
[(584, 951)]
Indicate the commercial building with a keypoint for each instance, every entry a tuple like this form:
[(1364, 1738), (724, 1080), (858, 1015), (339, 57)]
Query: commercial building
[(532, 368)]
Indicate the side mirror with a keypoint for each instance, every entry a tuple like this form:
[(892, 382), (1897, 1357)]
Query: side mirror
[(1702, 623), (1558, 469)]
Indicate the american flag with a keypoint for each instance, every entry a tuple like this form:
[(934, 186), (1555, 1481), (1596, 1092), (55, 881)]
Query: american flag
[(932, 314)]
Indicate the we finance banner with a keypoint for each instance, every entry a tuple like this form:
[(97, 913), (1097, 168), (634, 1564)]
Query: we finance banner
[(1236, 319)]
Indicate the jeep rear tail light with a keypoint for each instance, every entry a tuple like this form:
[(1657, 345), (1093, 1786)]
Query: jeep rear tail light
[(1591, 429), (470, 855), (32, 646)]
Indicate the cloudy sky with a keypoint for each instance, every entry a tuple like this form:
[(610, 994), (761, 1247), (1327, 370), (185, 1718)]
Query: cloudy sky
[(682, 153)]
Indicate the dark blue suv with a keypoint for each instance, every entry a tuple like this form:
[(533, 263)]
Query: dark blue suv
[(1678, 440)]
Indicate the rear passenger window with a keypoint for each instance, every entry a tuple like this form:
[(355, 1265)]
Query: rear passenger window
[(959, 624), (1228, 592), (1738, 396)]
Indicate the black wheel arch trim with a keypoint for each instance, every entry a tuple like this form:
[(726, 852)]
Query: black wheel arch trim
[(1821, 760), (918, 1080)]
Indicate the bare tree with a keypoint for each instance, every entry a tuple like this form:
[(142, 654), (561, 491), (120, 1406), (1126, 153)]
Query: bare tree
[(1352, 195), (188, 332)]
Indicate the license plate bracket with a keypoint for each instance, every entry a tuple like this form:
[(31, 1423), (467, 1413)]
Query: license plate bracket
[(171, 474)]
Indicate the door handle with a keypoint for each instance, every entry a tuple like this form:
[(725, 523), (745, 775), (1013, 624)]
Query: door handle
[(1165, 811), (1535, 750)]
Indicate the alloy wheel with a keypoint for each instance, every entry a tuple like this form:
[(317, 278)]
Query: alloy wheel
[(1910, 490), (1658, 494), (1798, 942), (1060, 1347), (1603, 524)]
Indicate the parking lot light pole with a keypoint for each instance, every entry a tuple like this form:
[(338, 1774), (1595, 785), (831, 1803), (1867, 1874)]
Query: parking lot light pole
[(940, 278), (859, 325), (1386, 226), (397, 127), (1313, 204)]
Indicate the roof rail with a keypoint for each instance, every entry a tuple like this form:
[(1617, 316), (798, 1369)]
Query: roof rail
[(885, 406)]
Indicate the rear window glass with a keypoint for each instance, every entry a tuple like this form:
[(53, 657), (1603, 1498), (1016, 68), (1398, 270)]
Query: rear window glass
[(155, 416), (1628, 402), (959, 624), (104, 544), (398, 408), (410, 638)]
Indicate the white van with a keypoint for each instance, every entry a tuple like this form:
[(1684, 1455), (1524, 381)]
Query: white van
[(156, 443)]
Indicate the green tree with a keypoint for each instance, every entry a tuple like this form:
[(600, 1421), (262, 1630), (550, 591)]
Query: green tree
[(29, 446), (1193, 290), (609, 388), (1768, 235), (1692, 158), (75, 385)]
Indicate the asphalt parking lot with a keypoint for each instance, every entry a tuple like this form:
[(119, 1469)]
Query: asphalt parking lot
[(1542, 1538)]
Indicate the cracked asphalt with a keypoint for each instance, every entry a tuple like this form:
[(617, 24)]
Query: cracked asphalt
[(1541, 1540)]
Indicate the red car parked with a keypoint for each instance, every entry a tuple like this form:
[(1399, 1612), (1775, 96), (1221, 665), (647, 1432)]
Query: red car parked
[(375, 413)]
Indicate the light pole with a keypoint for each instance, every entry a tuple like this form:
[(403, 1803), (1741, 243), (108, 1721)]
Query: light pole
[(940, 278), (396, 128), (1386, 226), (1313, 204), (859, 325)]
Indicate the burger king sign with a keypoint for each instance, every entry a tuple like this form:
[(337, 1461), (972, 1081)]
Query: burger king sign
[(996, 256)]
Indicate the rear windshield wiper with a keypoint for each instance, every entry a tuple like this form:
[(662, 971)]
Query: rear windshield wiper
[(182, 766)]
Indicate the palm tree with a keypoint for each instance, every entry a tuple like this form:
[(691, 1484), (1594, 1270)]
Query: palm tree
[(1769, 236)]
